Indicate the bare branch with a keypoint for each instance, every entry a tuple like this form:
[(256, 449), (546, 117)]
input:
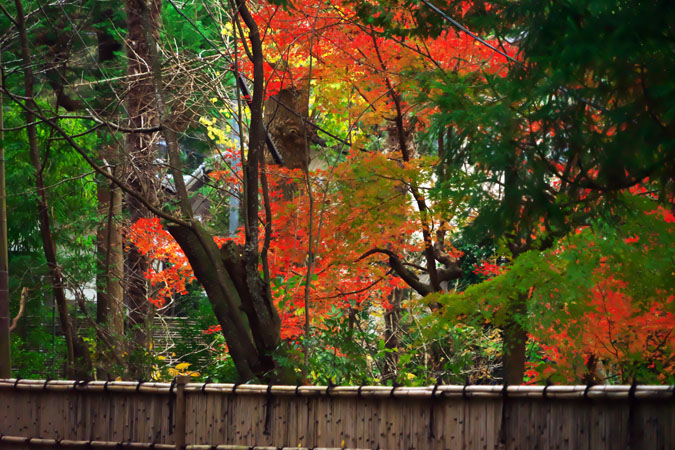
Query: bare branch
[(158, 212), (398, 266), (22, 305)]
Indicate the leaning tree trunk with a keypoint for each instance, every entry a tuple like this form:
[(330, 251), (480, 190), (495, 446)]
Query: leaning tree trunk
[(238, 295), (141, 175), (249, 320)]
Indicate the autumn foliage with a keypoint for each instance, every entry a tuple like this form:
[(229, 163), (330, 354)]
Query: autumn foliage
[(355, 66), (588, 314), (360, 207)]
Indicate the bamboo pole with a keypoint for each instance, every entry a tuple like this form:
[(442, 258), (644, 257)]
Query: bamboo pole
[(180, 411), (443, 391), (27, 441), (5, 357), (38, 442)]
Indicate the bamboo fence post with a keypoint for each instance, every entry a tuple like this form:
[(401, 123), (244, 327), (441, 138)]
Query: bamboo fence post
[(180, 411)]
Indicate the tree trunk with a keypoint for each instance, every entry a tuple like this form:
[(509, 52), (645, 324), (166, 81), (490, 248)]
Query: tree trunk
[(5, 357), (110, 270), (514, 335), (141, 175), (284, 114), (78, 358), (250, 324), (392, 325), (514, 338)]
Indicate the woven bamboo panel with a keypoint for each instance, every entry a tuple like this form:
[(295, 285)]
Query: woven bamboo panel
[(103, 415)]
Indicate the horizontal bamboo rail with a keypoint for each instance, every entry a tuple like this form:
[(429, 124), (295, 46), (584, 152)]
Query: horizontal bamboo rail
[(65, 443), (56, 414), (450, 391)]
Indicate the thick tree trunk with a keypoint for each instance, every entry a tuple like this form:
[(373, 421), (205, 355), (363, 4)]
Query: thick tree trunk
[(249, 323), (140, 154), (284, 114), (515, 342)]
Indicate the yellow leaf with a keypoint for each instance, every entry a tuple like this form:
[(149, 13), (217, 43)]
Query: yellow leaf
[(182, 366)]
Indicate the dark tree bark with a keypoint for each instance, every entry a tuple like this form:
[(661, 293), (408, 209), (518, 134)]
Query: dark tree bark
[(284, 114), (514, 338), (251, 337), (141, 174), (514, 335), (392, 325)]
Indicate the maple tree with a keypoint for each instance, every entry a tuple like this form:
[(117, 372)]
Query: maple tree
[(599, 302), (344, 269), (441, 198), (552, 143), (351, 224), (348, 55), (376, 68)]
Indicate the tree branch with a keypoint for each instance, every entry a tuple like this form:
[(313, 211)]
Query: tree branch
[(158, 212), (397, 265), (22, 305)]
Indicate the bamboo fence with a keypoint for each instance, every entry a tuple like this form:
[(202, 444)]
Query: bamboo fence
[(97, 414)]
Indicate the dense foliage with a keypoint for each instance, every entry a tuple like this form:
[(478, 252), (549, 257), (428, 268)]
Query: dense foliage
[(487, 204)]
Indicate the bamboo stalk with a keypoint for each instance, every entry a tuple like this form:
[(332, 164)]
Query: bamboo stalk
[(445, 391), (21, 440), (180, 412), (5, 357)]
